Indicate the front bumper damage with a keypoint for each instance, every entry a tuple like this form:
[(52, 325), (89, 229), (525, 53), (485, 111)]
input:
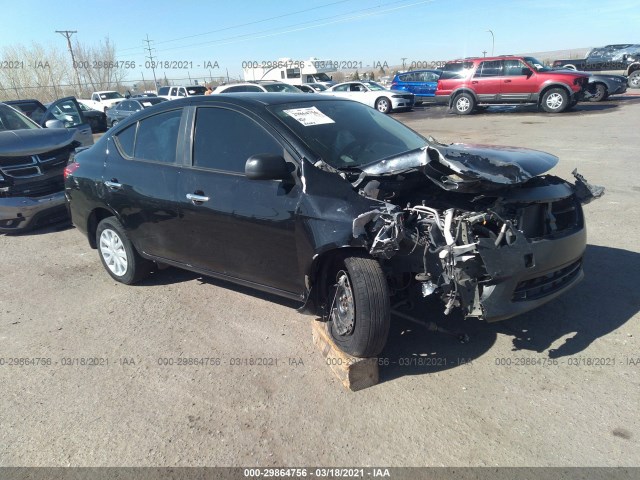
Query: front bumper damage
[(519, 252)]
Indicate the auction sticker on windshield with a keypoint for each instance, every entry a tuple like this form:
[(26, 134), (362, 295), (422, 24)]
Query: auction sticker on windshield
[(308, 116)]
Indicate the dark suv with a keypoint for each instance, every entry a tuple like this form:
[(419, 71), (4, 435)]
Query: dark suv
[(620, 58), (331, 203), (475, 82)]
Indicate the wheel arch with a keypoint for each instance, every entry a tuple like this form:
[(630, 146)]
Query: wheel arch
[(549, 86), (632, 68), (95, 217), (318, 271), (460, 90)]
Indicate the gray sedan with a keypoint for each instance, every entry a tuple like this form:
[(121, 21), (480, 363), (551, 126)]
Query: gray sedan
[(128, 107)]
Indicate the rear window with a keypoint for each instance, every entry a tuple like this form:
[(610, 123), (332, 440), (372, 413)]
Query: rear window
[(456, 70), (163, 91), (196, 90)]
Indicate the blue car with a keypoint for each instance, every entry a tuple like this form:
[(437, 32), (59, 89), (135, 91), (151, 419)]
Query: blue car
[(422, 83)]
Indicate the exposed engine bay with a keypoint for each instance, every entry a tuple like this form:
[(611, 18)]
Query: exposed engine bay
[(486, 230)]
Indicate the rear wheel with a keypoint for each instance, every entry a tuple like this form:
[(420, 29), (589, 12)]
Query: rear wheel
[(359, 309), (634, 79), (118, 255), (555, 100), (599, 94), (464, 104), (383, 105)]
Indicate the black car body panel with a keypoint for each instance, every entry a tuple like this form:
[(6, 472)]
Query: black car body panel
[(479, 227)]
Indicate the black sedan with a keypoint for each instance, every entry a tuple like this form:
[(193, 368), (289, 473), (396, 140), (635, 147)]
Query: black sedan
[(95, 118), (602, 86), (130, 106), (330, 203)]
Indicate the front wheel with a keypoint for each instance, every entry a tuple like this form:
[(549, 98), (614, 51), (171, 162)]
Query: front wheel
[(464, 104), (599, 94), (555, 100), (118, 255), (359, 308), (383, 105)]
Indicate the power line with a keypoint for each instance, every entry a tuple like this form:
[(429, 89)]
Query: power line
[(349, 16), (242, 24)]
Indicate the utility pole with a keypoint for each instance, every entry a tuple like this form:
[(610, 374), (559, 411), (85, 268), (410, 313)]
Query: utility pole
[(484, 53), (493, 41), (150, 57), (67, 34), (403, 66)]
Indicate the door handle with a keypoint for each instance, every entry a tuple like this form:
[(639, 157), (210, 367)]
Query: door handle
[(113, 184), (474, 81), (196, 199), (507, 81)]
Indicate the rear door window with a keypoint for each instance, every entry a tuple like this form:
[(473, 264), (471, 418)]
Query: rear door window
[(125, 140), (157, 137), (491, 68)]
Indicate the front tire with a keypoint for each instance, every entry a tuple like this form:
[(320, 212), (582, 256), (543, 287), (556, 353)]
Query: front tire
[(600, 93), (118, 255), (383, 105), (464, 104), (555, 100), (359, 307)]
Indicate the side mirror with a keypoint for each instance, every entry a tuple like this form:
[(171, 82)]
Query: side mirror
[(54, 124), (527, 71), (266, 166)]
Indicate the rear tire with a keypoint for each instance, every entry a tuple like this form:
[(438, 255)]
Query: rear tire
[(464, 104), (634, 80), (118, 255), (555, 100), (359, 307)]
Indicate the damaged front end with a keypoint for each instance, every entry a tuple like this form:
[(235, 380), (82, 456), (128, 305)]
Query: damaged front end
[(487, 232)]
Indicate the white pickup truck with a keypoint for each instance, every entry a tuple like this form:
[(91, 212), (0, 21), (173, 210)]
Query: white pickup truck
[(101, 101), (173, 93)]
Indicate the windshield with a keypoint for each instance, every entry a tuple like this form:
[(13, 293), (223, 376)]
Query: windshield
[(12, 120), (147, 102), (280, 87), (110, 95), (347, 134), (321, 77), (537, 65), (374, 86)]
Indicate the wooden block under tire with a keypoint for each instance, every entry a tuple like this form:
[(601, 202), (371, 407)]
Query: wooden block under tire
[(354, 373)]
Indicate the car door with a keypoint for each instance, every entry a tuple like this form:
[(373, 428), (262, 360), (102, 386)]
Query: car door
[(429, 84), (140, 177), (519, 81), (487, 79), (68, 111), (232, 225)]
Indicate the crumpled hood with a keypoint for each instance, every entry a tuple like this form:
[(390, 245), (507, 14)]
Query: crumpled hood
[(15, 143), (504, 165), (494, 164)]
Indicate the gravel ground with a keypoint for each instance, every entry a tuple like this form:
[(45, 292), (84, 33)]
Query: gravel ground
[(558, 386)]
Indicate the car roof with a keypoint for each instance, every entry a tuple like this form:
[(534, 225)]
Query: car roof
[(251, 100), (430, 70)]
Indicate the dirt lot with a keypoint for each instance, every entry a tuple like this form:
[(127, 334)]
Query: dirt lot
[(558, 386)]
